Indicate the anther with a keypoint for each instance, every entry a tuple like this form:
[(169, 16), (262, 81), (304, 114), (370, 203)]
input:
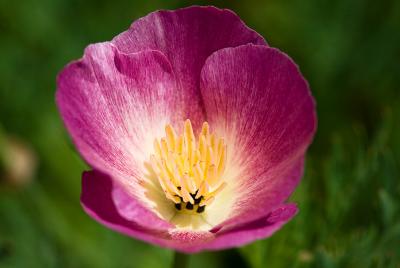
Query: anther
[(200, 209)]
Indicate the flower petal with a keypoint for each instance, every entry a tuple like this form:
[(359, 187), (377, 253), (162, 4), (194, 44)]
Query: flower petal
[(234, 236), (100, 202), (187, 37), (109, 202), (114, 105), (256, 97), (97, 201), (254, 230)]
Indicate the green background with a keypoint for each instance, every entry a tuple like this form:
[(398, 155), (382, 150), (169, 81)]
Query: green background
[(349, 198)]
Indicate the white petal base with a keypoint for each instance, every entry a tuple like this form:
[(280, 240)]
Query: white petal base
[(190, 222)]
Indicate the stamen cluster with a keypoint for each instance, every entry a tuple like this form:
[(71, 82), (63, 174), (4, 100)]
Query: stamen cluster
[(189, 171)]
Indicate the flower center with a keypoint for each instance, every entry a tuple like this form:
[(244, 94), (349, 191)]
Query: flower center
[(189, 171)]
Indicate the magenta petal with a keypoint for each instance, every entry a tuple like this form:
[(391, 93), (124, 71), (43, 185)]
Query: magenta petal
[(112, 103), (254, 230), (279, 184), (257, 97), (131, 209), (235, 236), (101, 199), (187, 37), (98, 201)]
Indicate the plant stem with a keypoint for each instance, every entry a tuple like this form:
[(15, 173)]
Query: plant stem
[(180, 260)]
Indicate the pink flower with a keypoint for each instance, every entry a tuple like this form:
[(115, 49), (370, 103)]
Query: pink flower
[(195, 128)]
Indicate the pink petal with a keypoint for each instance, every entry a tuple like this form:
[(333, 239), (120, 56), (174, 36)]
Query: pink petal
[(97, 200), (237, 235), (114, 103), (257, 229), (258, 99), (187, 37), (100, 202)]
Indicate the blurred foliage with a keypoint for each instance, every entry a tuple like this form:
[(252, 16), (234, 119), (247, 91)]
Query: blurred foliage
[(349, 199)]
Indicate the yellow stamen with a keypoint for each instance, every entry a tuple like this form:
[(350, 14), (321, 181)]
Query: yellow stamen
[(189, 171), (211, 175), (205, 130), (179, 145), (217, 190), (206, 202), (202, 190), (171, 136), (222, 161), (174, 198), (186, 196)]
